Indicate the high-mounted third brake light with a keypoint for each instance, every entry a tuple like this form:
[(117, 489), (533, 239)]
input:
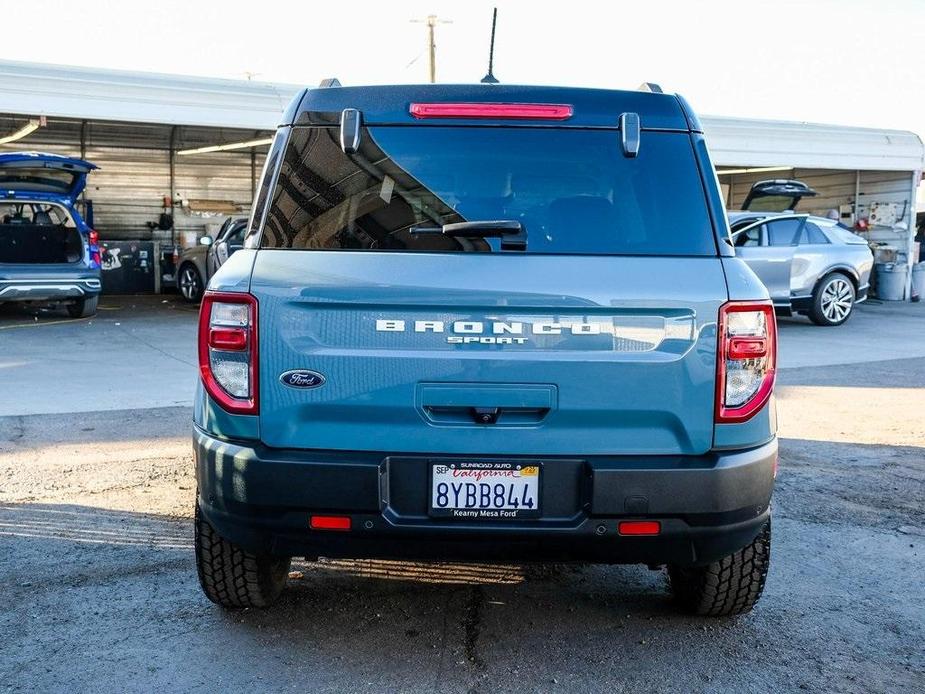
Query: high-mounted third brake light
[(746, 359), (228, 350), (493, 110)]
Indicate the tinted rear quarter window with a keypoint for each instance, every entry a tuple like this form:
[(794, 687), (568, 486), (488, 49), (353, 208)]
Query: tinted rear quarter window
[(783, 232), (570, 188), (811, 234)]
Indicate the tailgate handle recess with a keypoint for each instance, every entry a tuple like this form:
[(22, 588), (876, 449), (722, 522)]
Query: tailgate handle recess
[(486, 404)]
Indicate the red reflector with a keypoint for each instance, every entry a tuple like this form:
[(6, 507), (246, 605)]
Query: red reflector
[(329, 523), (639, 527), (537, 111), (233, 339), (747, 347)]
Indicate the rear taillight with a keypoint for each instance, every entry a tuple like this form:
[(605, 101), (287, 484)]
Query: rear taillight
[(93, 240), (493, 110), (746, 359), (228, 350)]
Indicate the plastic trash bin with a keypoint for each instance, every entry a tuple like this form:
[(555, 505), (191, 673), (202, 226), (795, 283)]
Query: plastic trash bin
[(918, 279), (891, 281)]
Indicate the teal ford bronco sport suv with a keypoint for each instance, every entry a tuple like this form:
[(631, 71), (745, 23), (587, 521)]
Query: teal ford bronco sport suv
[(487, 322)]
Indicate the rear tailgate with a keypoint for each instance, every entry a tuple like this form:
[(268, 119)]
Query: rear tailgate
[(571, 355)]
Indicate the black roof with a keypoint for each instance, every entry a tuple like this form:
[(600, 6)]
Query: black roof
[(390, 104)]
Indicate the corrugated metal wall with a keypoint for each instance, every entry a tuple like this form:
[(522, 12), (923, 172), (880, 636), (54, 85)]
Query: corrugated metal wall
[(836, 188), (833, 188), (134, 176)]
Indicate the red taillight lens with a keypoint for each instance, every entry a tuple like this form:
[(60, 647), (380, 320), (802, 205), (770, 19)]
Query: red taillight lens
[(93, 240), (231, 339), (747, 347), (476, 110), (639, 527), (746, 359), (329, 523), (228, 350)]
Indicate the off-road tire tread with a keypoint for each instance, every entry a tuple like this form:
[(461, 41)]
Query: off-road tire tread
[(232, 577), (730, 586)]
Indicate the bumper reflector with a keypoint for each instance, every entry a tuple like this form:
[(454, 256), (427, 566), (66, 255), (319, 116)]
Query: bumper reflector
[(639, 527), (329, 523)]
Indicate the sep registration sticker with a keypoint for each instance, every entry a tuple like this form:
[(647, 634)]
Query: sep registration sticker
[(485, 490)]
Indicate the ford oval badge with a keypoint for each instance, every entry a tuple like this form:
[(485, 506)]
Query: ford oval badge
[(302, 378)]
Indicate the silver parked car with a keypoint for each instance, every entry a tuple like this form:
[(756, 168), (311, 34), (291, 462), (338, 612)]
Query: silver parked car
[(197, 264), (810, 265)]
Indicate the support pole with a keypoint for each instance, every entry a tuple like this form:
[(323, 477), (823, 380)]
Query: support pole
[(253, 176), (910, 241), (173, 183)]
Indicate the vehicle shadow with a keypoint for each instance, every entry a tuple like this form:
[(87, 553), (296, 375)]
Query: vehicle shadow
[(126, 582)]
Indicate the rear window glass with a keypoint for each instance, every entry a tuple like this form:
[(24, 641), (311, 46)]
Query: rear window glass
[(36, 179), (844, 234), (571, 189)]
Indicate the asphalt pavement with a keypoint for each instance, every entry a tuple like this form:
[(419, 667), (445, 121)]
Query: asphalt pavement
[(100, 591)]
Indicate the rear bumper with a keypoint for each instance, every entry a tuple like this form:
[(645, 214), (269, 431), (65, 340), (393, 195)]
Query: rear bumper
[(708, 506), (48, 289)]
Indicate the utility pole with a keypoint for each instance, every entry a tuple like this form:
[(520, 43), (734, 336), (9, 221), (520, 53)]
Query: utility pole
[(432, 21)]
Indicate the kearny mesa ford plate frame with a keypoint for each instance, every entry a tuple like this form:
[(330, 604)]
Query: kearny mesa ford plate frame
[(484, 489)]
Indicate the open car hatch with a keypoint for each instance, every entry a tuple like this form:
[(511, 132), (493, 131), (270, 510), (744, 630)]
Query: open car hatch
[(28, 174), (776, 195)]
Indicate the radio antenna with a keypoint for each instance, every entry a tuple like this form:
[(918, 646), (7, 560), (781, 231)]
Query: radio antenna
[(490, 77)]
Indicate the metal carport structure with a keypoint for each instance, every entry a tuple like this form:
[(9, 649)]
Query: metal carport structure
[(133, 124), (862, 173)]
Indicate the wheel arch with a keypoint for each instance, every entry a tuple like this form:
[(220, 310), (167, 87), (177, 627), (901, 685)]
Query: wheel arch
[(843, 269)]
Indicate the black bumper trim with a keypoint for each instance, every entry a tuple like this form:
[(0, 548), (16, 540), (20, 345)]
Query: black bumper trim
[(261, 498)]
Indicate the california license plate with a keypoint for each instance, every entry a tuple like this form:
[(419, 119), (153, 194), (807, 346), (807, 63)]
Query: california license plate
[(487, 490)]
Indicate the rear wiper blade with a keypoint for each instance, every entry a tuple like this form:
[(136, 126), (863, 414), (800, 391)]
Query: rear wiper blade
[(512, 233)]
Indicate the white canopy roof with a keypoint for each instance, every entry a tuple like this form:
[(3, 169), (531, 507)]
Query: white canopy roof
[(749, 142), (35, 89)]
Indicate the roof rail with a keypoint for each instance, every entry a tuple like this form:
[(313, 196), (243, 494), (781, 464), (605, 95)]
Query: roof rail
[(649, 87), (329, 82)]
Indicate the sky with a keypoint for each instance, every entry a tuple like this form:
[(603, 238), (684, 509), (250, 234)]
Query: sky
[(852, 62)]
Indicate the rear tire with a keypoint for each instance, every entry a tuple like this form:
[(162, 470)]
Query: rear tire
[(190, 283), (726, 587), (833, 300), (83, 308), (233, 577)]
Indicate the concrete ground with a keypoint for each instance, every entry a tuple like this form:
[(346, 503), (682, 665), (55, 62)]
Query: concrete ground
[(100, 592)]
